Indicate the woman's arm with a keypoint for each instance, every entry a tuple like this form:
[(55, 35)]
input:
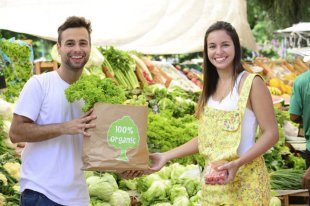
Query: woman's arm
[(262, 106), (260, 102), (160, 159)]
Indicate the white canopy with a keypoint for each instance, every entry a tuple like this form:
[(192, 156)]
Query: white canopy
[(300, 27), (147, 26)]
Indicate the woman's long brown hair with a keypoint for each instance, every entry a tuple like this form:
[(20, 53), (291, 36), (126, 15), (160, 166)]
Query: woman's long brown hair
[(210, 74)]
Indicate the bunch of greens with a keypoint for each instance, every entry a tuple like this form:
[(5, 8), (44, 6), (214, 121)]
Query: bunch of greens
[(8, 161), (92, 89), (280, 156), (286, 179), (176, 100), (166, 132), (121, 66), (18, 71)]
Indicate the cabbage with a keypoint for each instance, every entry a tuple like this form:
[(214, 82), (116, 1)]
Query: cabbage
[(6, 109), (275, 201), (88, 174), (92, 180), (177, 191), (196, 199), (181, 201), (130, 184), (120, 198), (176, 171), (110, 179), (165, 172), (162, 204), (98, 202), (158, 191), (101, 189), (145, 182), (192, 186)]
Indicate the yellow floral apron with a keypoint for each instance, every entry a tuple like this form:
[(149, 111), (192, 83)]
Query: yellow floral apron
[(218, 139)]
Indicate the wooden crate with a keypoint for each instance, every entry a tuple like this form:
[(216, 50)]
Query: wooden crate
[(45, 66), (285, 195)]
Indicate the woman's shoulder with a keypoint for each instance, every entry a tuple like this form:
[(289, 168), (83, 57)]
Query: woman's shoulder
[(256, 78)]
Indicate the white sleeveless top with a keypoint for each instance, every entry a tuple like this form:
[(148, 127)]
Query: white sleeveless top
[(249, 123)]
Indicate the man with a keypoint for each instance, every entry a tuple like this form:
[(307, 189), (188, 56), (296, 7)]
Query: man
[(300, 113), (53, 128)]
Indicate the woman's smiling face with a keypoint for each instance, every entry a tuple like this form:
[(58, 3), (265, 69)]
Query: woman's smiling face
[(221, 49)]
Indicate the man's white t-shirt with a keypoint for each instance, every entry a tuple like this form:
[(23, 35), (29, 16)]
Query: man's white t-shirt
[(52, 167)]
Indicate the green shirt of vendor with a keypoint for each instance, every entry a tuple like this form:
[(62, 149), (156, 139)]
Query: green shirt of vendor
[(300, 103)]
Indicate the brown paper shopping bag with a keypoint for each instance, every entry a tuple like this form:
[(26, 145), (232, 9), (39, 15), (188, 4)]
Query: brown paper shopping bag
[(119, 141)]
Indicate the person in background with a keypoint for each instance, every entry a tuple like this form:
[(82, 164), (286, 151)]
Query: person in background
[(52, 128), (232, 104), (300, 113)]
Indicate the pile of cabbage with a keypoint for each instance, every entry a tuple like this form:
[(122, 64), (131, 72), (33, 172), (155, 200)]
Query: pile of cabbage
[(172, 185), (104, 191)]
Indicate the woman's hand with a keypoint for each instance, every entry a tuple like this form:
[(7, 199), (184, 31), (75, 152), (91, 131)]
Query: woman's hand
[(214, 176), (231, 168), (158, 160)]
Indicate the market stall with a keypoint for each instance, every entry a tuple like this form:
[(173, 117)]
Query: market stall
[(171, 93)]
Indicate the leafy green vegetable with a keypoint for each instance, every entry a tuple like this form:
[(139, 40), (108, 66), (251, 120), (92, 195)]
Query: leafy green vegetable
[(120, 198), (98, 202), (130, 184), (196, 199), (164, 133), (177, 191), (101, 189), (18, 71), (286, 179), (157, 192), (181, 201), (121, 65), (92, 89), (162, 204)]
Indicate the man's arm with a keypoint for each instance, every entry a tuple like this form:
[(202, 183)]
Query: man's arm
[(24, 129), (296, 118), (306, 179)]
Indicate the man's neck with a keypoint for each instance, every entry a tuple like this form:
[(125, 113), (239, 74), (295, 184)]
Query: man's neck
[(69, 76)]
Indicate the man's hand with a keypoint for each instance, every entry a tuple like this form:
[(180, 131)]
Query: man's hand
[(81, 124), (130, 174), (306, 179)]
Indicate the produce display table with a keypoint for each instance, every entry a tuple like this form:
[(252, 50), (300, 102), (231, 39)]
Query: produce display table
[(285, 195)]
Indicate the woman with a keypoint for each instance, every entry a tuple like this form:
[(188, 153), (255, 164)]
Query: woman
[(232, 104)]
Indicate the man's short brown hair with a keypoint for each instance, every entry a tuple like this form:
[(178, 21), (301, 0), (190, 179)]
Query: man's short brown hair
[(74, 22)]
